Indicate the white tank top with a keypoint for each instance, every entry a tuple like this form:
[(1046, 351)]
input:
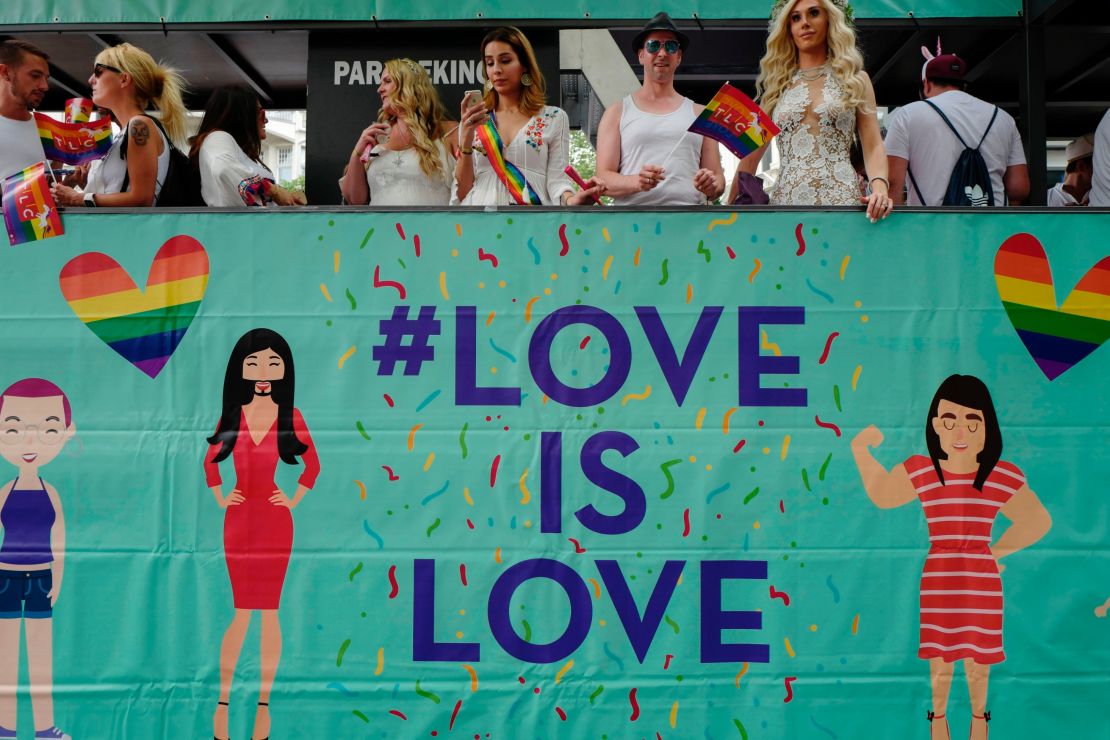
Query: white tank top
[(646, 138), (106, 175)]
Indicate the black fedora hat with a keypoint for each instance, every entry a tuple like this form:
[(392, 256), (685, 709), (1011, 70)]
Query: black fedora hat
[(661, 22)]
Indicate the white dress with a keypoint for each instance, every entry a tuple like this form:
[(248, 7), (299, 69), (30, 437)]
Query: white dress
[(540, 150), (228, 177), (817, 135), (395, 178)]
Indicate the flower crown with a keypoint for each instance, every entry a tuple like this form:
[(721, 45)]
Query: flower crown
[(844, 5)]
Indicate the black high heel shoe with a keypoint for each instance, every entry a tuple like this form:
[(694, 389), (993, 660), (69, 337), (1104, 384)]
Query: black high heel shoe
[(267, 705), (932, 716), (220, 703)]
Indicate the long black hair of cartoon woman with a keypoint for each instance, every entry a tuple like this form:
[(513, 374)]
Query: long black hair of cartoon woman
[(238, 392), (969, 391)]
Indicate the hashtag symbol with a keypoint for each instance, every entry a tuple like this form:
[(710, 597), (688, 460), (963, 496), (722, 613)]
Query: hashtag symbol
[(395, 329)]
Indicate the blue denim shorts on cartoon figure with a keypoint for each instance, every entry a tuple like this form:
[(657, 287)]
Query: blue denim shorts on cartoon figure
[(23, 593)]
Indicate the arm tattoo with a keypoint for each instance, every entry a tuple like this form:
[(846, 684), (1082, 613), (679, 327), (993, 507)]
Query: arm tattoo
[(140, 132)]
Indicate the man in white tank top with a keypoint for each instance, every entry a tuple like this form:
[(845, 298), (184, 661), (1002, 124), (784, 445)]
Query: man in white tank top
[(645, 156)]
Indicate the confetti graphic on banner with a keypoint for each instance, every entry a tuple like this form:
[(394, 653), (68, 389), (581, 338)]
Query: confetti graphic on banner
[(468, 482)]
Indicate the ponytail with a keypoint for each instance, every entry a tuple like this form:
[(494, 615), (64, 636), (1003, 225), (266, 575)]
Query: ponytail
[(167, 97)]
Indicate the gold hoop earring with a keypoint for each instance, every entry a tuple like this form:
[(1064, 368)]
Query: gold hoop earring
[(526, 79)]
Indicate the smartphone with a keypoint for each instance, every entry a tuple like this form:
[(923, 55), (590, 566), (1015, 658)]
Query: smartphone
[(471, 98)]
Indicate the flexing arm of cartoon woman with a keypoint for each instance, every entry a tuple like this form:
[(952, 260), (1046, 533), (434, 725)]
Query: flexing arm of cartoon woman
[(1029, 521), (311, 466), (57, 543), (886, 489)]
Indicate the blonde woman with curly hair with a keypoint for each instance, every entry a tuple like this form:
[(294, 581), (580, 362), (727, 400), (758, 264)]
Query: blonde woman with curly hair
[(532, 138), (127, 81), (404, 158), (811, 80)]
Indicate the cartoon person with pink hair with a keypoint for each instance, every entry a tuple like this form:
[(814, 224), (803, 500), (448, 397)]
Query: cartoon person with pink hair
[(35, 423)]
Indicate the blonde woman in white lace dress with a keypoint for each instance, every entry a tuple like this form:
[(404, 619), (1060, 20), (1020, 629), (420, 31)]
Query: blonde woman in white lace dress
[(812, 81)]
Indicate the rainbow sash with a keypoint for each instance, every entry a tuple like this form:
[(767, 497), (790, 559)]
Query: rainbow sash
[(29, 210), (507, 172), (74, 143)]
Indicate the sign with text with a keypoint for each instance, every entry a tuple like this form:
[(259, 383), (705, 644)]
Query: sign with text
[(560, 475), (344, 71)]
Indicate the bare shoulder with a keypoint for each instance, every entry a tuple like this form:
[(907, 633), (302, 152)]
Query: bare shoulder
[(52, 493)]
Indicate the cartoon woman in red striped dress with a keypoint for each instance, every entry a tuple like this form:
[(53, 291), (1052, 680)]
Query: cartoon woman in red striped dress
[(962, 486)]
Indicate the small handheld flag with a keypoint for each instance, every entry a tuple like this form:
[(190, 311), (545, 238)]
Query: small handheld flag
[(74, 143), (733, 119), (29, 210), (78, 110)]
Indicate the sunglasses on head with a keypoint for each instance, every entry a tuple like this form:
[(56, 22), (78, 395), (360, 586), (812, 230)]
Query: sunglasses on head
[(652, 47), (99, 69)]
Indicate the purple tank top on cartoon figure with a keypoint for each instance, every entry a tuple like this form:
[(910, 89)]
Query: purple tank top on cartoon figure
[(27, 518)]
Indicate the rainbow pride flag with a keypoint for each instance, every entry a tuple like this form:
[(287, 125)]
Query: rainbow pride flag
[(1057, 338), (143, 326), (734, 120), (507, 172), (29, 210), (74, 143)]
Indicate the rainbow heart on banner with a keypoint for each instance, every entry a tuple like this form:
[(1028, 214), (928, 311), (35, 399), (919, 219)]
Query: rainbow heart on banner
[(144, 326), (1057, 338)]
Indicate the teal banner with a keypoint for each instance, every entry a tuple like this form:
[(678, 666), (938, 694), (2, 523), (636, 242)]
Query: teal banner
[(591, 474), (52, 12)]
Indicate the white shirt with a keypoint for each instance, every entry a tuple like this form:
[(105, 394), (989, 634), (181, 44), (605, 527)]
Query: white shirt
[(226, 172), (540, 150), (646, 138), (19, 145), (106, 175), (1057, 197), (395, 178), (918, 134), (1100, 180)]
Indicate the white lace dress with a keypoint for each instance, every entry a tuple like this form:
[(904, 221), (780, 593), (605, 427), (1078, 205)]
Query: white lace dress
[(817, 135)]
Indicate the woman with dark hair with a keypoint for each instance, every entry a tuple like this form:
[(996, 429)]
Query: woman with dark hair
[(258, 426), (227, 151), (514, 147), (963, 485)]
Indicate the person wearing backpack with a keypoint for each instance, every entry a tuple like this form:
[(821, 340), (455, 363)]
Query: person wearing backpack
[(143, 167), (953, 149)]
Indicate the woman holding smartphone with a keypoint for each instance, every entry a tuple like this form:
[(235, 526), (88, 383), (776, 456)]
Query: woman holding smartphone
[(404, 158), (515, 148)]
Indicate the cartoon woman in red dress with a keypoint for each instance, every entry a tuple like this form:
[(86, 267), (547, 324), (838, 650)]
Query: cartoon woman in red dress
[(962, 486), (258, 426)]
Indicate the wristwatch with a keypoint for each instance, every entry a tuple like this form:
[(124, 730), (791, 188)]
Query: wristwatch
[(90, 200)]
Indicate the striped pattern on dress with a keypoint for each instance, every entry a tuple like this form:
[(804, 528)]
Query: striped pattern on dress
[(961, 591)]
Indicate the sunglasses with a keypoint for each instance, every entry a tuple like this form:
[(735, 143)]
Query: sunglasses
[(99, 69), (652, 47)]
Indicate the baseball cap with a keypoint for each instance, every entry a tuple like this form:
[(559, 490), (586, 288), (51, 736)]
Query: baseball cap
[(946, 67)]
